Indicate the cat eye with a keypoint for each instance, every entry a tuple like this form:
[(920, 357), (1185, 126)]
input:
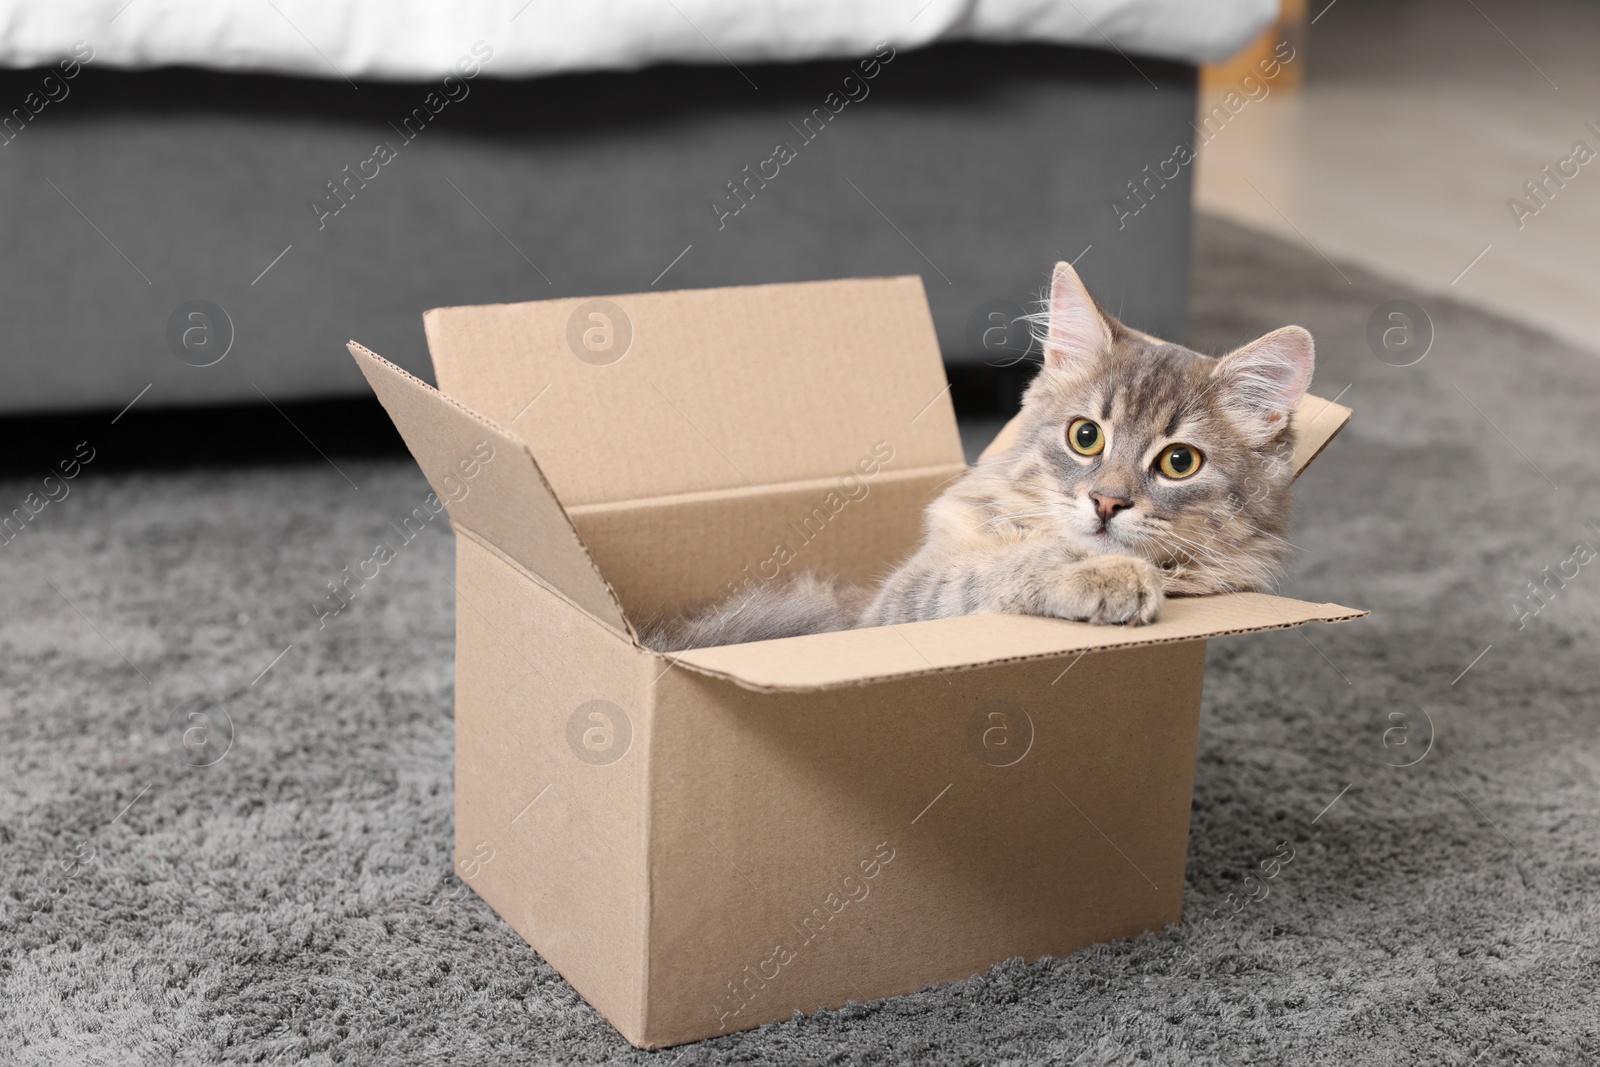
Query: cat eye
[(1086, 438), (1179, 461)]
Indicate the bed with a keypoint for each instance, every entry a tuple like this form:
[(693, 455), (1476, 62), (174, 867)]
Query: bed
[(206, 200)]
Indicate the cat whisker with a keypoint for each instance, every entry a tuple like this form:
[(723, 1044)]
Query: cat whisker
[(1224, 537), (1198, 553), (1014, 516), (953, 477)]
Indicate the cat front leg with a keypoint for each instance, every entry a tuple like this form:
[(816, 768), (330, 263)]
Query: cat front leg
[(1103, 590), (1107, 590), (1019, 579)]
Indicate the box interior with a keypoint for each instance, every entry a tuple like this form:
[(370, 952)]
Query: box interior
[(746, 431)]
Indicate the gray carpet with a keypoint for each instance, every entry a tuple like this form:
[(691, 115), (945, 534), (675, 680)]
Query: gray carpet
[(294, 901)]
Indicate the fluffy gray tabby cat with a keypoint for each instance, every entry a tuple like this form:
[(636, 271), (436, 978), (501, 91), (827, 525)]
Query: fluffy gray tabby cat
[(1142, 469)]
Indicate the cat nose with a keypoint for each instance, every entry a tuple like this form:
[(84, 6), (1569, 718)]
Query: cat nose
[(1106, 505)]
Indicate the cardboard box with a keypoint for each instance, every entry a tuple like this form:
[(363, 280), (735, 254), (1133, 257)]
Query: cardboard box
[(709, 841)]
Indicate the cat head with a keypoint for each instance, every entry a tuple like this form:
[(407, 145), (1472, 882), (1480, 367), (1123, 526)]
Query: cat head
[(1151, 449)]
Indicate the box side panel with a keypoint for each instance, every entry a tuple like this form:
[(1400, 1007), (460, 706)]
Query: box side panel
[(552, 727), (808, 850), (670, 554)]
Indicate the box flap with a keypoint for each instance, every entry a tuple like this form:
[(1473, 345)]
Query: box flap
[(652, 394), (504, 500), (1316, 421), (863, 657)]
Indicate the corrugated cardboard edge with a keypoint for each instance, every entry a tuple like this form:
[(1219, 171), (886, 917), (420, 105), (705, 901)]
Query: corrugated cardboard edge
[(649, 675), (749, 287), (365, 358), (1334, 613)]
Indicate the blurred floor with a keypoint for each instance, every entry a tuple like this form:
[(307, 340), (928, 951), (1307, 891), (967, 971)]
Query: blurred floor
[(1416, 124)]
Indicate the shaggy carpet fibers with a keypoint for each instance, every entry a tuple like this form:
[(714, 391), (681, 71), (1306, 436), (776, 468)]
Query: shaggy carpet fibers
[(293, 901)]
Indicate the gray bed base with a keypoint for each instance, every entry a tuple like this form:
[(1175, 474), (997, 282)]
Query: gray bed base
[(974, 166)]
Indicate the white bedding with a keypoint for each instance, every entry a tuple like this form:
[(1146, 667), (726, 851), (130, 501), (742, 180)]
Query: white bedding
[(414, 39)]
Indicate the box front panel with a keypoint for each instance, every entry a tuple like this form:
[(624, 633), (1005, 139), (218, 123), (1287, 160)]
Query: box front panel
[(552, 724), (808, 850)]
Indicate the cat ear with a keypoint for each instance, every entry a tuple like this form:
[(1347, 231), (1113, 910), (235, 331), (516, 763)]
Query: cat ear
[(1264, 381), (1078, 333)]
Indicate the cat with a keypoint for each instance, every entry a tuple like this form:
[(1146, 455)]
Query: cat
[(1141, 469)]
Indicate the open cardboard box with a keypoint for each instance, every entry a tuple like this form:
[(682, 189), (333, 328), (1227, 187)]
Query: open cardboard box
[(705, 842)]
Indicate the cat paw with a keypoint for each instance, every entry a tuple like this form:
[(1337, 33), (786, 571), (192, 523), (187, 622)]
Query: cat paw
[(1115, 590)]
